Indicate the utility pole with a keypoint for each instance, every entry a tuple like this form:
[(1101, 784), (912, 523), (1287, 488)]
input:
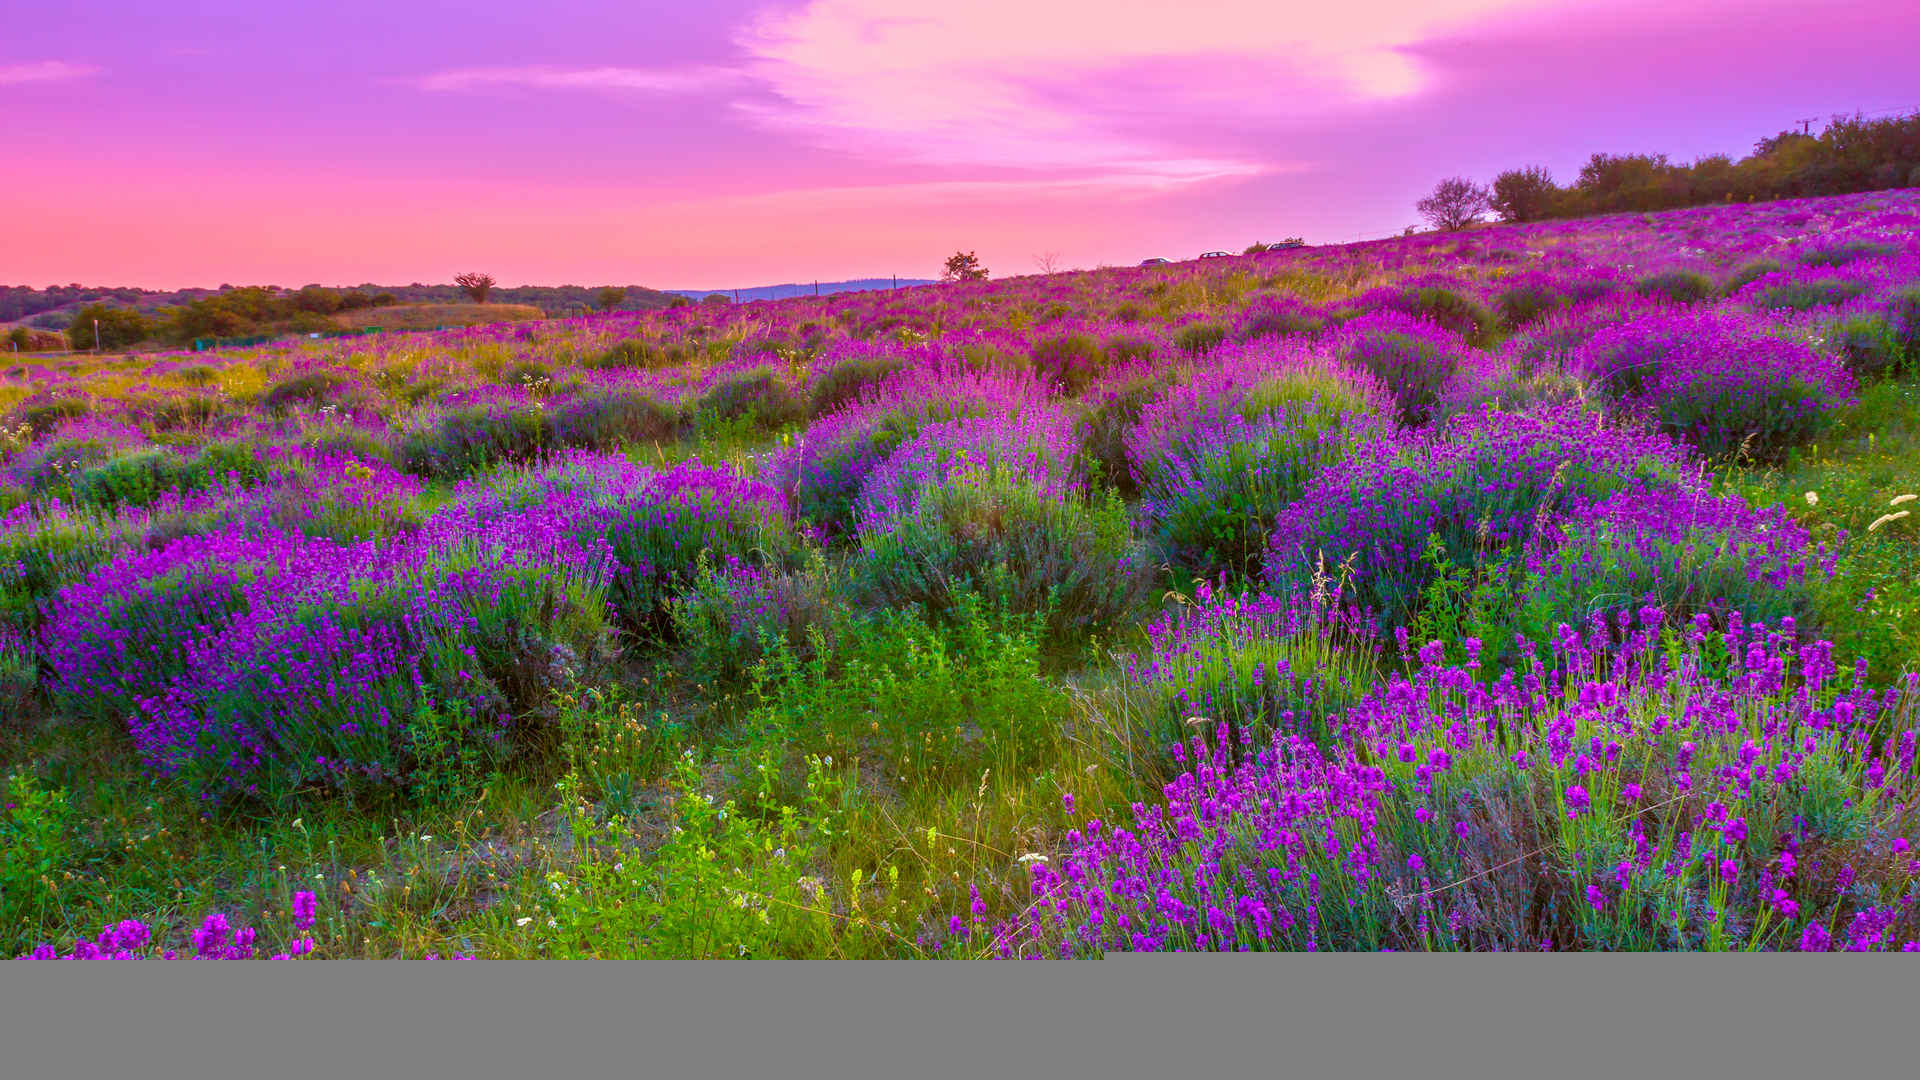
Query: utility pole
[(96, 337), (816, 289), (1806, 125)]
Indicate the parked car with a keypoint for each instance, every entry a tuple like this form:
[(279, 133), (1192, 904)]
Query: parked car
[(1216, 254), (1153, 262)]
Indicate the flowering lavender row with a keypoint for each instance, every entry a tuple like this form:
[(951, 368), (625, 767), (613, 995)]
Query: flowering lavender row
[(274, 562), (1615, 795)]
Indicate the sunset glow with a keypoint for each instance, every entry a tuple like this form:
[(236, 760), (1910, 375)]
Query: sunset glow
[(745, 142)]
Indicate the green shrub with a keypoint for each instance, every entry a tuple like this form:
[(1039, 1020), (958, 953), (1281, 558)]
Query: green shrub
[(992, 533), (1125, 350), (44, 416), (308, 391), (934, 703), (135, 479), (44, 550), (467, 439), (1452, 311), (735, 612), (1805, 295), (636, 353), (725, 883), (34, 848), (1870, 346), (1679, 286), (1750, 273), (1522, 304), (1213, 488), (613, 419), (1255, 663), (1069, 361), (848, 379), (1685, 555), (1198, 339), (1842, 254), (1101, 425), (760, 400)]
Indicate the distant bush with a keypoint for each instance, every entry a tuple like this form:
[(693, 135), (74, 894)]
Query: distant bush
[(1455, 203), (1520, 195), (108, 327)]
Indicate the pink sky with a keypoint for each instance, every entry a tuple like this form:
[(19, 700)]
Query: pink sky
[(739, 142)]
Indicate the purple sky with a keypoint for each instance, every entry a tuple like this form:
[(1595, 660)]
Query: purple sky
[(732, 143)]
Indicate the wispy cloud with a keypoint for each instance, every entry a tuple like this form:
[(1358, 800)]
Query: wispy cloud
[(1083, 86), (652, 80), (44, 71)]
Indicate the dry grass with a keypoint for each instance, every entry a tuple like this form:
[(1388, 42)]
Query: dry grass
[(429, 316)]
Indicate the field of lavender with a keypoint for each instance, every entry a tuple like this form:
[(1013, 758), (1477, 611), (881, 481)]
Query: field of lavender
[(1529, 587)]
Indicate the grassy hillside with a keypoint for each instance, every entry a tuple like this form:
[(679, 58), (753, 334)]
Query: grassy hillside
[(1549, 586), (432, 316)]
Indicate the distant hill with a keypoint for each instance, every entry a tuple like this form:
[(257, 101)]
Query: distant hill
[(53, 306), (826, 288)]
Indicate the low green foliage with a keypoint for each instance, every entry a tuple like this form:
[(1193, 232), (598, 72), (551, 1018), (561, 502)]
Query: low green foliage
[(1073, 561)]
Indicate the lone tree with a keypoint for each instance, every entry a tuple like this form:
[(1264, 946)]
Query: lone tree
[(1523, 194), (610, 297), (476, 285), (964, 266), (1456, 202)]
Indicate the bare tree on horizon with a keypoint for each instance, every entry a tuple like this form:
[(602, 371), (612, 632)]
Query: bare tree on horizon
[(477, 285), (1456, 202)]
